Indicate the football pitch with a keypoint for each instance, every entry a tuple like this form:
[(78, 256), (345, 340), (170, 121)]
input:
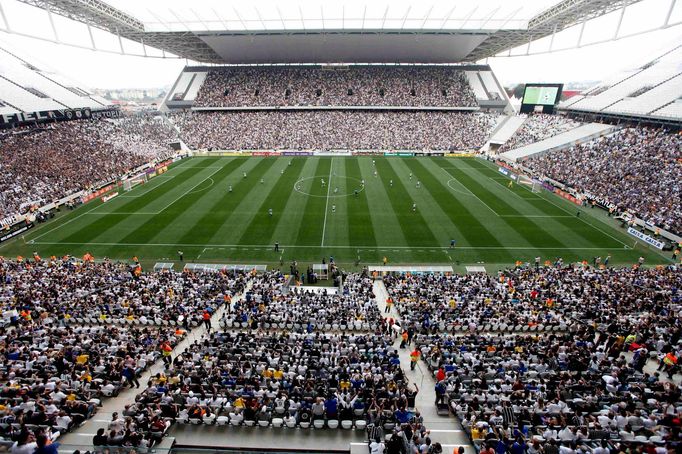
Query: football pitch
[(408, 210)]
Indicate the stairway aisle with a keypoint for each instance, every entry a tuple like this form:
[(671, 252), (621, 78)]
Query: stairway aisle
[(444, 429), (81, 437)]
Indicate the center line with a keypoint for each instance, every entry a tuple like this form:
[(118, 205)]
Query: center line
[(326, 207)]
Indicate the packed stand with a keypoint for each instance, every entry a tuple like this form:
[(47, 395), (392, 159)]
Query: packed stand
[(54, 378), (335, 130), (287, 379), (610, 377), (538, 127), (41, 164), (270, 303), (635, 170), (68, 291), (403, 86), (438, 303)]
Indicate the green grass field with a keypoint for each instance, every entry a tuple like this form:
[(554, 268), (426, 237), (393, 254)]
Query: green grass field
[(190, 209)]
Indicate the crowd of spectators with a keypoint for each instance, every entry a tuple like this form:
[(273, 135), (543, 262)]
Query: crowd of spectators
[(629, 301), (403, 86), (67, 291), (335, 130), (577, 370), (299, 378), (592, 380), (560, 389), (538, 127), (54, 378), (636, 170), (40, 164), (439, 303), (269, 303)]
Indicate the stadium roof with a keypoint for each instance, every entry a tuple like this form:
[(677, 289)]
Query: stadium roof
[(446, 32)]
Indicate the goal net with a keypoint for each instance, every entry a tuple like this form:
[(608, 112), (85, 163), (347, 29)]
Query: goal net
[(529, 183), (133, 181)]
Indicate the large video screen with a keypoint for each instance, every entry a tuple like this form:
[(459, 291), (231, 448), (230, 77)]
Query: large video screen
[(542, 95)]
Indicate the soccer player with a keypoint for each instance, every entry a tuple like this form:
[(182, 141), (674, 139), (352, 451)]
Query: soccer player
[(282, 171), (270, 211), (510, 184), (333, 208), (229, 189), (276, 246), (419, 184), (262, 181), (375, 174), (414, 207), (322, 181), (289, 161), (362, 182), (410, 176), (390, 182), (355, 193), (374, 162), (336, 189), (452, 244), (244, 174)]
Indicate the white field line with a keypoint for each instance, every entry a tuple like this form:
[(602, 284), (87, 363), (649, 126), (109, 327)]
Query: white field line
[(326, 207), (189, 190), (564, 210), (294, 246), (467, 189)]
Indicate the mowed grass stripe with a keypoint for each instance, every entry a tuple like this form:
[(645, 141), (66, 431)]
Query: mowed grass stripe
[(170, 218), (262, 226), (179, 218), (336, 232), (235, 220), (560, 229), (215, 214), (384, 219), (528, 228), (288, 223), (438, 221), (310, 229), (360, 221), (527, 195), (412, 223), (210, 189), (577, 232), (471, 228), (96, 228)]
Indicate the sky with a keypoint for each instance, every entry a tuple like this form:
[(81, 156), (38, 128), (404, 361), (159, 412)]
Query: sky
[(98, 69)]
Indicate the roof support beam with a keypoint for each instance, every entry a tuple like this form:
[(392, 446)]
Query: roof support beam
[(670, 12), (54, 29)]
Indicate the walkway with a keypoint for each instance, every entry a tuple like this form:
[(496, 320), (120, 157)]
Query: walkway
[(444, 429), (82, 436)]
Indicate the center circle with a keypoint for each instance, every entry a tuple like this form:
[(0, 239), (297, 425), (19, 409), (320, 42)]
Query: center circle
[(357, 184)]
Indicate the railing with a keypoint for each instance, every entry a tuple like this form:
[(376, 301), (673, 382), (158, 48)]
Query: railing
[(83, 448)]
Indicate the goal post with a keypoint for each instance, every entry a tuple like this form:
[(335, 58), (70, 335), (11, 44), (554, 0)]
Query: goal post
[(131, 182), (529, 183)]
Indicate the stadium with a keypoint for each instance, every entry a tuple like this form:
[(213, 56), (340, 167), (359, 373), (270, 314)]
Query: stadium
[(340, 228)]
